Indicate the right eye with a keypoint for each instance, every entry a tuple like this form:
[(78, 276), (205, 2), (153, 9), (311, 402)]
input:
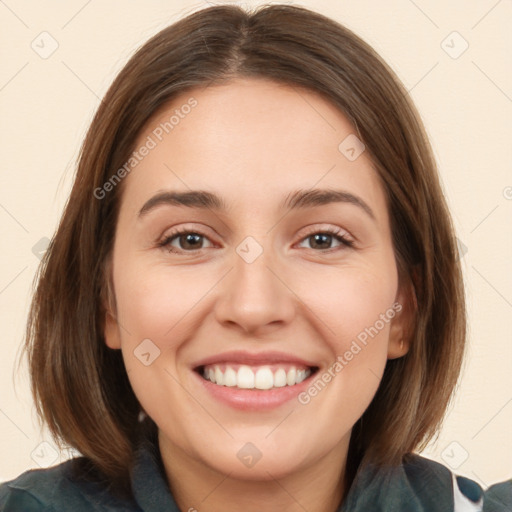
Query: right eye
[(186, 239)]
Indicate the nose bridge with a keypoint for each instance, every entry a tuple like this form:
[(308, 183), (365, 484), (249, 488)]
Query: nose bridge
[(253, 295)]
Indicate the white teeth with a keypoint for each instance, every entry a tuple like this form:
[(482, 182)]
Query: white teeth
[(280, 378), (219, 376), (260, 378), (290, 377), (245, 378), (264, 378), (230, 377)]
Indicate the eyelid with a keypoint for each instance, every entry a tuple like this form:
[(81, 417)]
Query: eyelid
[(327, 228)]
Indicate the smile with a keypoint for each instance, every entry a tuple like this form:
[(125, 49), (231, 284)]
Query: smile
[(253, 381), (264, 377)]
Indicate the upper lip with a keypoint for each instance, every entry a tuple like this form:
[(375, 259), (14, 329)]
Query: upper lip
[(259, 358)]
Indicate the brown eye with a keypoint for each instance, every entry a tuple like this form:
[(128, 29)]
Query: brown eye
[(322, 240), (190, 241), (183, 241)]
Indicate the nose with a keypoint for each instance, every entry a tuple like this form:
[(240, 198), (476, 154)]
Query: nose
[(255, 297)]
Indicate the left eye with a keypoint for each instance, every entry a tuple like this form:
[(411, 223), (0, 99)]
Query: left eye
[(327, 237)]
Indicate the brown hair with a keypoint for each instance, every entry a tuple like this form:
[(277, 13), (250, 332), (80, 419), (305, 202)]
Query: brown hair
[(80, 386)]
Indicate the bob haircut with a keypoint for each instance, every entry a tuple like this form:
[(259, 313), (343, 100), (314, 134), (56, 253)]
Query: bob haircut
[(80, 386)]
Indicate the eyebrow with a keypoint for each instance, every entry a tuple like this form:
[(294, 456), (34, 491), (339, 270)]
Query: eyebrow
[(299, 199)]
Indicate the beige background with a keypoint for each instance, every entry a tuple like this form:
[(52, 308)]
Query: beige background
[(466, 103)]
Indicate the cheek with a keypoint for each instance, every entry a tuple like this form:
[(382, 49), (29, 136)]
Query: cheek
[(350, 300), (154, 307), (354, 308), (356, 322), (153, 300)]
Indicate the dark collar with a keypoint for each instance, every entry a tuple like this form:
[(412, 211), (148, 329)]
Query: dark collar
[(149, 483), (417, 485)]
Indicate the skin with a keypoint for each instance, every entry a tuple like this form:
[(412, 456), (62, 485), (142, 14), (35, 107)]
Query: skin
[(253, 141)]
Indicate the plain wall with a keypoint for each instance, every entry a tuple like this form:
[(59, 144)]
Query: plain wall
[(47, 102)]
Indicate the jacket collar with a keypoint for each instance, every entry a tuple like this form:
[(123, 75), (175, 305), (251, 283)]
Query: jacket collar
[(149, 484), (417, 485)]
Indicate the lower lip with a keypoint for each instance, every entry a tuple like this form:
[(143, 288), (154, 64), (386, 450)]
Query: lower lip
[(254, 399)]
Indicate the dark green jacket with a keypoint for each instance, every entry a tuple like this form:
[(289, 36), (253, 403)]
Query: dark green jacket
[(418, 485)]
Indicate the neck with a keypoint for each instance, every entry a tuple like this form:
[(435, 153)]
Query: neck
[(197, 487)]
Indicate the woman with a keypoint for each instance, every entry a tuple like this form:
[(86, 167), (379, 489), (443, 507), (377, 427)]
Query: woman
[(253, 300)]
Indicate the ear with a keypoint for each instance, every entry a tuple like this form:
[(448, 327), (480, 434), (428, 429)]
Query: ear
[(401, 330), (111, 331), (110, 325)]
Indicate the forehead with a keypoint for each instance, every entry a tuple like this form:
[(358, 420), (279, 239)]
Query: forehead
[(248, 139)]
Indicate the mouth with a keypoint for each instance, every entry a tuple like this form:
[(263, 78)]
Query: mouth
[(253, 381), (256, 377)]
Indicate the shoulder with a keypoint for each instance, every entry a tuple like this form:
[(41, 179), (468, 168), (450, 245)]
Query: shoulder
[(55, 489), (32, 490), (430, 478), (498, 497), (420, 484)]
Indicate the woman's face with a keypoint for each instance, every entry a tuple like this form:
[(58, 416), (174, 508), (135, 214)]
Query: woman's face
[(275, 282)]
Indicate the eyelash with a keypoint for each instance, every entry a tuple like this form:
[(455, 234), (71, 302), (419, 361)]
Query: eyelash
[(335, 233)]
